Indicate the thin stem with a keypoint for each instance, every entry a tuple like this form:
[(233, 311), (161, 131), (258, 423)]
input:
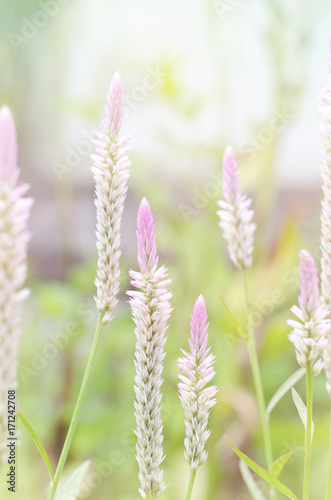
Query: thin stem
[(328, 489), (308, 436), (257, 376), (75, 416), (190, 485)]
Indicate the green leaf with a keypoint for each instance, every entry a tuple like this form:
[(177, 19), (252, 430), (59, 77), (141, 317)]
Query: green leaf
[(38, 444), (263, 473), (302, 410), (70, 488), (250, 482), (284, 388), (279, 464), (235, 321)]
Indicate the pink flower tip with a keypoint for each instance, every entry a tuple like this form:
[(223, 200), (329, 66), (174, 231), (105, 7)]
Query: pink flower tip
[(229, 154), (113, 109), (309, 287), (231, 186), (147, 253), (117, 79), (8, 147), (200, 302), (199, 314), (199, 325)]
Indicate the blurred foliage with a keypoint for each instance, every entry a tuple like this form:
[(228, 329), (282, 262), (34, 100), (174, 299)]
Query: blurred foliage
[(63, 313), (60, 316)]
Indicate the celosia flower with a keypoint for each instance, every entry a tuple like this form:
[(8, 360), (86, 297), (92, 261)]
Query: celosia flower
[(196, 399), (325, 127), (14, 238), (236, 215), (309, 333), (151, 310), (111, 173)]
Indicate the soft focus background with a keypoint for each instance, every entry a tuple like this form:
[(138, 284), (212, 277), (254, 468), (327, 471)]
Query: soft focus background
[(197, 75)]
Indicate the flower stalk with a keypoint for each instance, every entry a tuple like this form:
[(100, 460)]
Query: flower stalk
[(111, 174), (308, 434), (308, 336), (328, 488), (77, 410), (254, 361), (190, 485), (236, 220)]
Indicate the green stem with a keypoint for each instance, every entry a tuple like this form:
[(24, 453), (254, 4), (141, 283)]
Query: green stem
[(328, 489), (308, 436), (75, 416), (257, 377), (190, 485)]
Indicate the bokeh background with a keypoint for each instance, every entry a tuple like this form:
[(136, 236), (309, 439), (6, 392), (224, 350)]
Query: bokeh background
[(197, 75)]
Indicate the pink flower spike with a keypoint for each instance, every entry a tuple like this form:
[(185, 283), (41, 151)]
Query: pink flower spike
[(308, 299), (231, 186), (236, 215), (9, 171), (325, 130), (111, 174), (309, 333), (151, 309), (196, 399), (14, 240)]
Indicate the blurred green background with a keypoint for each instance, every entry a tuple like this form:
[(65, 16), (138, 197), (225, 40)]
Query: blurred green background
[(197, 75)]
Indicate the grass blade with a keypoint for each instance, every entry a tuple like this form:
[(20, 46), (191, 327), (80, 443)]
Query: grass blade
[(38, 444), (240, 329), (263, 473), (250, 482), (302, 410), (279, 464), (284, 389), (70, 488)]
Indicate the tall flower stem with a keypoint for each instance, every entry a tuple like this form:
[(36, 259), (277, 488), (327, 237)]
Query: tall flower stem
[(75, 416), (190, 485), (257, 375), (328, 489), (308, 434)]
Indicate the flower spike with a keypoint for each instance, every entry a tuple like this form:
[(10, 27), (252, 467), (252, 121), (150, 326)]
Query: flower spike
[(309, 333), (14, 239), (151, 311), (111, 173), (236, 215), (325, 129), (197, 400)]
